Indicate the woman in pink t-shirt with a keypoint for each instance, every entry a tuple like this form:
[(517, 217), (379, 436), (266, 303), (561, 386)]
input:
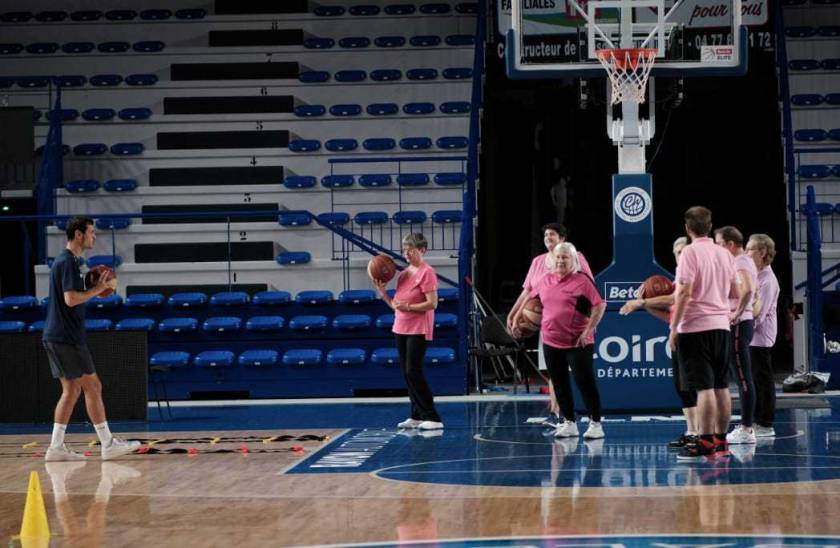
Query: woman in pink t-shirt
[(414, 306), (572, 308)]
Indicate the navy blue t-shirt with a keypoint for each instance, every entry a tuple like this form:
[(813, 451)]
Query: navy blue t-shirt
[(65, 324)]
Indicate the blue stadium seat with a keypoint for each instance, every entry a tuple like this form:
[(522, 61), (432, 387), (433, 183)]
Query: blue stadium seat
[(419, 108), (385, 321), (302, 357), (415, 217), (453, 142), (832, 98), (65, 150), (807, 99), (65, 114), (364, 10), (178, 325), (340, 145), (389, 41), (120, 15), (810, 135), (313, 76), (334, 218), (354, 42), (111, 261), (86, 15), (382, 109), (37, 327), (460, 40), (114, 47), (450, 179), (415, 143), (412, 179), (357, 296), (230, 298), (7, 82), (265, 323), (447, 216), (111, 301), (36, 115), (379, 143), (310, 111), (337, 181), (113, 223), (98, 114), (803, 64), (33, 81), (439, 355), (422, 74), (106, 80), (304, 145), (424, 41), (314, 296), (346, 110), (272, 298), (375, 179), (170, 359), (127, 149), (834, 134), (98, 325), (445, 321), (293, 218), (385, 75), (328, 11), (141, 79), (222, 324), (214, 358), (12, 327), (351, 322), (258, 358), (385, 356), (42, 48), (187, 300), (70, 80), (400, 9), (135, 324), (346, 356), (447, 294), (830, 64), (800, 32), (120, 185), (191, 13), (10, 49), (51, 16), (78, 47), (829, 31), (308, 323), (350, 76), (300, 181), (16, 16), (18, 302), (141, 113), (371, 218), (90, 149), (467, 7), (144, 300), (80, 187), (821, 208), (835, 171), (155, 14), (293, 257), (435, 8), (318, 43)]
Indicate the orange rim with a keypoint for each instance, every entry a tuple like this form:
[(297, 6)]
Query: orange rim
[(623, 55)]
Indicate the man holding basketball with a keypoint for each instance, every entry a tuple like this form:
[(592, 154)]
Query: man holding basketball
[(64, 342)]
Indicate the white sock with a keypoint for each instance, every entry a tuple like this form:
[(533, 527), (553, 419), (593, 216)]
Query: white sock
[(58, 435), (104, 433)]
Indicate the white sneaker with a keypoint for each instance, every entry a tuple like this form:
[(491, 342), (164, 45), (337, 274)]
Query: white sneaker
[(409, 423), (764, 431), (430, 425), (741, 434), (62, 453), (743, 453), (594, 432), (594, 447), (567, 429), (118, 448)]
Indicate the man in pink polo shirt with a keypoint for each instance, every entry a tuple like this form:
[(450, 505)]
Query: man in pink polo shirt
[(705, 280)]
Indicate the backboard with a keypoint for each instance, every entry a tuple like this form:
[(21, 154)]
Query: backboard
[(557, 38)]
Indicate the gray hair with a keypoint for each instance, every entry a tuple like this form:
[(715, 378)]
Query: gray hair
[(570, 248), (415, 239), (682, 241)]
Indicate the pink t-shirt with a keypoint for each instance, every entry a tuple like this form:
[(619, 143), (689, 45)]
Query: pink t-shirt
[(765, 323), (710, 269), (743, 262), (412, 289), (538, 269), (562, 323)]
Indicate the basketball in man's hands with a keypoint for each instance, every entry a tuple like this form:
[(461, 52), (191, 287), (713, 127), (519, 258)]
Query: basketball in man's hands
[(381, 268), (92, 278), (656, 286)]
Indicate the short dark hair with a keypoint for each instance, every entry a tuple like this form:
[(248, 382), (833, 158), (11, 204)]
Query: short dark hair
[(556, 227), (77, 223), (731, 234), (699, 220)]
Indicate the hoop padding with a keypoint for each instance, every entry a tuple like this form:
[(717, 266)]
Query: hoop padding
[(628, 69)]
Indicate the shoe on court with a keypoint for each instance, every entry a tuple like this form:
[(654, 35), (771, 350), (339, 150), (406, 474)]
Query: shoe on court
[(552, 420), (430, 425), (741, 435), (118, 448), (682, 441), (743, 452), (594, 432), (62, 453), (696, 451), (568, 429), (764, 431), (409, 423)]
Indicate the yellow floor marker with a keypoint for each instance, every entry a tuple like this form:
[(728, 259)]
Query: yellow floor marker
[(35, 529)]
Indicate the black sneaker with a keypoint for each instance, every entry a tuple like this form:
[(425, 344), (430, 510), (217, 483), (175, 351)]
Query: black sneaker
[(682, 441), (697, 450)]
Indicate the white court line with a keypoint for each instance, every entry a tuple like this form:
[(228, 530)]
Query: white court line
[(311, 455)]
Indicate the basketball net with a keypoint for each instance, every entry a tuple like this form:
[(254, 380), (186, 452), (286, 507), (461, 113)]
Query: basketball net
[(628, 69)]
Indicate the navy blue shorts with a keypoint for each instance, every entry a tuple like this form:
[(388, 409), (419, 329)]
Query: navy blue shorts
[(69, 361)]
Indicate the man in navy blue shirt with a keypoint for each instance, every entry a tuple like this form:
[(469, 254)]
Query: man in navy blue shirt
[(68, 354)]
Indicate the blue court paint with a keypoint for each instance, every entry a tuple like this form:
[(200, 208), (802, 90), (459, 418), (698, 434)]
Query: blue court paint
[(647, 541)]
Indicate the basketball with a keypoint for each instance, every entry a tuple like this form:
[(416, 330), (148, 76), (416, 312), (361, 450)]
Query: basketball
[(656, 286), (529, 320), (92, 277), (381, 268)]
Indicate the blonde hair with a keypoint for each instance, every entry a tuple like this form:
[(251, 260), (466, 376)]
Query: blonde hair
[(680, 242), (570, 248), (766, 243)]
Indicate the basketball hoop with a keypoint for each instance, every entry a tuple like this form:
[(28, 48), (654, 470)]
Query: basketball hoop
[(628, 69)]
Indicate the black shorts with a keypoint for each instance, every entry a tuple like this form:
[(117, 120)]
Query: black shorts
[(69, 361), (704, 358)]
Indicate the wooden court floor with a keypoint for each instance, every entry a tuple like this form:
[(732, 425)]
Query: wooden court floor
[(481, 478)]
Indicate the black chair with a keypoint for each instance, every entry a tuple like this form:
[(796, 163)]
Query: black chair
[(503, 351)]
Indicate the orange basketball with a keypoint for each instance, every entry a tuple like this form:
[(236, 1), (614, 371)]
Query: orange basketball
[(92, 278), (656, 286), (381, 268), (530, 318)]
